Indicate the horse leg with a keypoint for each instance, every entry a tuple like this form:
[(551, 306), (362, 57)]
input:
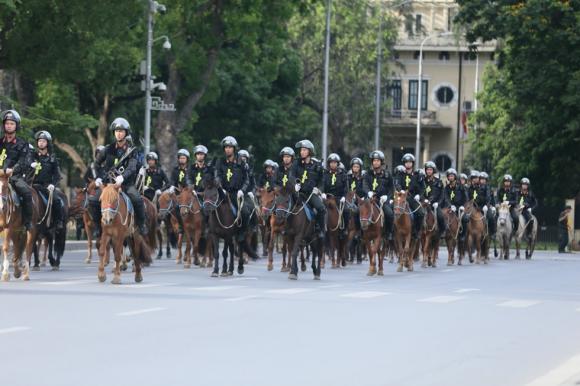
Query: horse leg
[(159, 236), (187, 257), (380, 255), (317, 252), (89, 232), (425, 238), (409, 246), (271, 250), (518, 247), (103, 257), (215, 253), (240, 263), (179, 257), (118, 252), (293, 256)]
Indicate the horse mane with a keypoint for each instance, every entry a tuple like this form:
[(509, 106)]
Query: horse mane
[(109, 194)]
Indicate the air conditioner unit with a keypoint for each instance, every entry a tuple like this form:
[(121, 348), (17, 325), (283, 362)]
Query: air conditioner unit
[(467, 106)]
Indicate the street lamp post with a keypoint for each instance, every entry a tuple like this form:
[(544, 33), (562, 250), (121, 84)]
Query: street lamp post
[(326, 63), (419, 96)]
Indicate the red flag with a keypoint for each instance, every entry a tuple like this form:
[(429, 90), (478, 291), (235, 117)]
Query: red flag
[(464, 125)]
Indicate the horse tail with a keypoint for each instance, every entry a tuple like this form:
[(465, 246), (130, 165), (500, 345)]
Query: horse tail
[(141, 248)]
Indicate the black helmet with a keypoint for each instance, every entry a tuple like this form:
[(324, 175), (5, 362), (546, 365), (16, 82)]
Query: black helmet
[(305, 143), (229, 141), (120, 124), (333, 157), (183, 152), (507, 177), (430, 164), (200, 149), (99, 149), (525, 181), (244, 153), (484, 175), (43, 135), (356, 161), (377, 154), (11, 115), (270, 163), (451, 171), (400, 169), (152, 155), (287, 151), (408, 157)]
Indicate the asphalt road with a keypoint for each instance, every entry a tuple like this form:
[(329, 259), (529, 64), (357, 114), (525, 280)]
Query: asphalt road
[(506, 323)]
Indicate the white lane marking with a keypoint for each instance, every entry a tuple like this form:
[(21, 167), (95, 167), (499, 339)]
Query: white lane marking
[(64, 282), (465, 290), (289, 291), (243, 279), (441, 299), (139, 312), (369, 281), (560, 374), (331, 286), (241, 298), (448, 270), (217, 288), (13, 329), (518, 303), (139, 285), (365, 294)]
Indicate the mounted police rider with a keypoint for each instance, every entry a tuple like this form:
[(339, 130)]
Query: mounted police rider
[(433, 194), (379, 182), (199, 169), (122, 166), (455, 198), (334, 182), (267, 180), (306, 173), (46, 175), (526, 200), (507, 193), (14, 161), (155, 180), (489, 202), (287, 155), (414, 184)]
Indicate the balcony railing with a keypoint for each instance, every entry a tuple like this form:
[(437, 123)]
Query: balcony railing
[(410, 114)]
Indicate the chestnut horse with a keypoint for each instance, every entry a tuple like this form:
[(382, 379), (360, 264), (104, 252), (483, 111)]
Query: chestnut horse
[(371, 221), (11, 222), (80, 207), (430, 237), (336, 243), (354, 246), (275, 226), (403, 230), (451, 235), (190, 210), (166, 203), (477, 234), (118, 226)]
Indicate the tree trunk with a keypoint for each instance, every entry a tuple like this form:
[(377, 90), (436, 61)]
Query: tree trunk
[(73, 154)]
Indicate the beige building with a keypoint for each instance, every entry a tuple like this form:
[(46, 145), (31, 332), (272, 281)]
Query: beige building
[(449, 76)]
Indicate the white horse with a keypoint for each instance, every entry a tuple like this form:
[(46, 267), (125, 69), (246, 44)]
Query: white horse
[(504, 230), (527, 235)]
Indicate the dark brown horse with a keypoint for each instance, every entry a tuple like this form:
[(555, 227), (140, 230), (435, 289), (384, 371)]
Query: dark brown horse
[(430, 237), (336, 244), (354, 246), (371, 221), (403, 230), (300, 230), (118, 226), (167, 204), (275, 226), (222, 225), (477, 234), (451, 235), (11, 222), (80, 207), (190, 210)]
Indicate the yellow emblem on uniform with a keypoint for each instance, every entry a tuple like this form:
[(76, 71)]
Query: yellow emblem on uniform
[(504, 197), (116, 161), (197, 178), (452, 194), (3, 156), (284, 180), (428, 190), (522, 200), (37, 168), (333, 179), (304, 176), (229, 174), (267, 186), (407, 181), (353, 185), (474, 195), (148, 181), (181, 175), (375, 183)]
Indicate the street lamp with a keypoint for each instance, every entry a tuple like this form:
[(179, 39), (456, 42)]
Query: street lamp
[(153, 8), (419, 96), (325, 108), (379, 65)]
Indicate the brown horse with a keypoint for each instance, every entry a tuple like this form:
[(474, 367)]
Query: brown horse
[(80, 207), (11, 222), (118, 225), (453, 227), (190, 210), (167, 202), (430, 237), (354, 246), (477, 234), (275, 226), (371, 221), (336, 244), (403, 231)]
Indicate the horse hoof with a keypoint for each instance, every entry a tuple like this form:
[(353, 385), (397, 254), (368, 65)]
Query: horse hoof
[(138, 278), (284, 269), (43, 264), (26, 277), (334, 266), (87, 261), (240, 270), (449, 263), (158, 257), (36, 268), (381, 273), (484, 261), (116, 280), (214, 274), (271, 267), (17, 274), (6, 277), (434, 265), (293, 276), (178, 262), (410, 269), (424, 265), (102, 278), (400, 269), (316, 277), (371, 272), (186, 265), (55, 268), (303, 268)]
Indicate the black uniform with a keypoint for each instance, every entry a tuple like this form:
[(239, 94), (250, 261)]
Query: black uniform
[(14, 155), (527, 201), (111, 161), (509, 195), (179, 177), (434, 193), (283, 176), (155, 179), (454, 195), (355, 182), (381, 183), (414, 184), (310, 177), (197, 174), (93, 172), (335, 183), (267, 181), (47, 172)]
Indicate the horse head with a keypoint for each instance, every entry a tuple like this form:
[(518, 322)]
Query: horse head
[(366, 209), (266, 199), (185, 201), (504, 214), (166, 203), (110, 199), (282, 204), (211, 195), (401, 204)]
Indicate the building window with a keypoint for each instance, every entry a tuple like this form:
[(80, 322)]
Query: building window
[(469, 55), (444, 55), (492, 56), (443, 162), (413, 92), (444, 95), (418, 24), (396, 55), (416, 55), (394, 92), (451, 12)]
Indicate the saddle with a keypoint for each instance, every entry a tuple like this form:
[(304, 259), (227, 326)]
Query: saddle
[(310, 212), (128, 202)]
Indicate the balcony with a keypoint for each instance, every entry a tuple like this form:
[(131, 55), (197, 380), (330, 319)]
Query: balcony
[(406, 117)]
